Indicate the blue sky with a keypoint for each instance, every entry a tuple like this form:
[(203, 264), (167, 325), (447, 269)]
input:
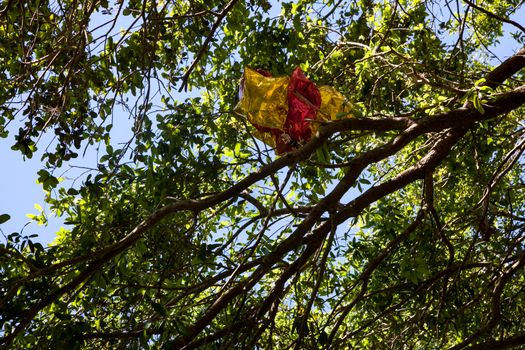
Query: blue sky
[(20, 192)]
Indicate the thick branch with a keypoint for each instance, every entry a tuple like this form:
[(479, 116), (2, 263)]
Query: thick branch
[(418, 171), (507, 69)]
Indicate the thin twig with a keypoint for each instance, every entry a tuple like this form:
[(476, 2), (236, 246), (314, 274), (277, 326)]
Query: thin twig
[(204, 46)]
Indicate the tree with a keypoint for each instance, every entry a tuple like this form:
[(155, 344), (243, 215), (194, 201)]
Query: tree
[(195, 235)]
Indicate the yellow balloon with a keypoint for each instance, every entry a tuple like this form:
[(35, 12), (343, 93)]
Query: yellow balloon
[(264, 100)]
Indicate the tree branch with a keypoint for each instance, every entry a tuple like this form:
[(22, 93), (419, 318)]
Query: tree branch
[(204, 47), (507, 69), (495, 16)]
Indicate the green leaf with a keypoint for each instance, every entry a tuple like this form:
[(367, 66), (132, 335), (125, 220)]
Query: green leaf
[(237, 150), (477, 104), (4, 218), (323, 155), (159, 308)]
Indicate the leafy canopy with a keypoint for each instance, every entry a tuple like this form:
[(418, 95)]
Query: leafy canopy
[(406, 233)]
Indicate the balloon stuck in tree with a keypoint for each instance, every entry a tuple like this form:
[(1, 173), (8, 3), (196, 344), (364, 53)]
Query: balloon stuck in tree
[(282, 109)]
